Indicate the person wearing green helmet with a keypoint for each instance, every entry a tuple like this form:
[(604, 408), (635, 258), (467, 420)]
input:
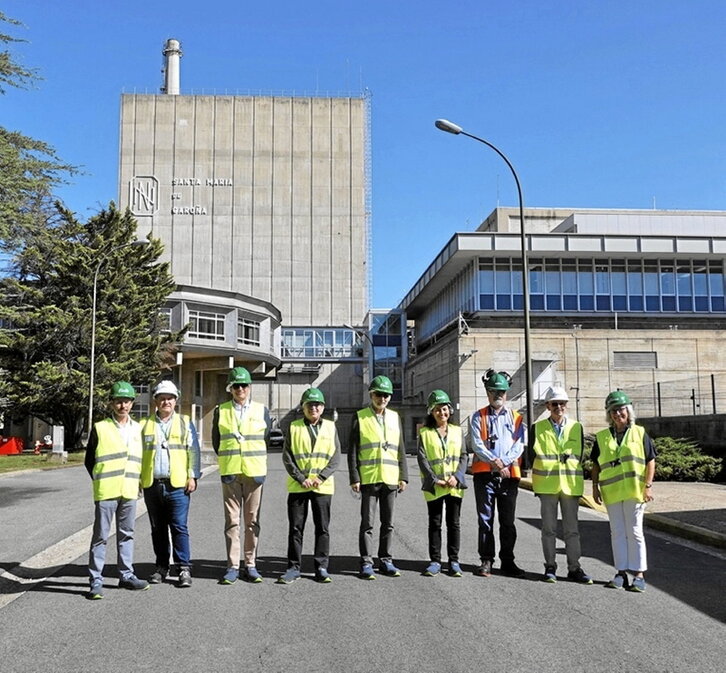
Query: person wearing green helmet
[(240, 435), (498, 436), (442, 460), (310, 455), (623, 468), (113, 460), (377, 469)]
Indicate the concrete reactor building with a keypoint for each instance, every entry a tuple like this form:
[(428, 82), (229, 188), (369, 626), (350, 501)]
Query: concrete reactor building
[(262, 203)]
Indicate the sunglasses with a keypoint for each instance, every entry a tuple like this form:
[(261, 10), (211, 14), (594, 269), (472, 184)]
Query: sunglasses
[(380, 394), (558, 404), (237, 386)]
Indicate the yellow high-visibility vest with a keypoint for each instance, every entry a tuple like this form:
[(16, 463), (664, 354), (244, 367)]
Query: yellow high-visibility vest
[(557, 466), (622, 468), (117, 470), (312, 459), (242, 448), (443, 462), (378, 448), (179, 441)]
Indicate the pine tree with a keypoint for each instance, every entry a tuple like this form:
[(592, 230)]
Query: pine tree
[(46, 316)]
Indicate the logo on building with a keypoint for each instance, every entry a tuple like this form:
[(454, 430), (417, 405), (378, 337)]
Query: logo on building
[(144, 195)]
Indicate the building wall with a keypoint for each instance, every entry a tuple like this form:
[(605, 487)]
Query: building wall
[(260, 195), (584, 362)]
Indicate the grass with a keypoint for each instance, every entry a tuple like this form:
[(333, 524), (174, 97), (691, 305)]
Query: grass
[(14, 463)]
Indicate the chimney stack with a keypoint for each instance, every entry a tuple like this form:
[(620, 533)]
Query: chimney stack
[(172, 54)]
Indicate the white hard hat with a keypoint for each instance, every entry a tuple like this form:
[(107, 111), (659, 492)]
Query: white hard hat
[(166, 388), (556, 393)]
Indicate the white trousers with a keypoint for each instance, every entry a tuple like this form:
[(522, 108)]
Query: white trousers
[(626, 535)]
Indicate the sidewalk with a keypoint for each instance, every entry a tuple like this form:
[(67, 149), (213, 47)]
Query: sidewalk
[(692, 510)]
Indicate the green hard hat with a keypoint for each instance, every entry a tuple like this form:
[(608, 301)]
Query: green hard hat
[(617, 398), (123, 389), (312, 395), (495, 381), (437, 397), (381, 384), (238, 375)]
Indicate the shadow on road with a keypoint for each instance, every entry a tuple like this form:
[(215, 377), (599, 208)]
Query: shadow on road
[(692, 576)]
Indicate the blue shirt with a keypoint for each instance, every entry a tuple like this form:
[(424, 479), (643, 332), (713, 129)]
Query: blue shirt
[(502, 442)]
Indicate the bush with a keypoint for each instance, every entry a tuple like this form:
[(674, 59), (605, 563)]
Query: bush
[(682, 460), (677, 460)]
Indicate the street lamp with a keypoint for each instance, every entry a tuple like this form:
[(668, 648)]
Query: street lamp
[(449, 127), (92, 372)]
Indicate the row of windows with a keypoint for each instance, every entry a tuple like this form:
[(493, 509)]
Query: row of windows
[(209, 326), (604, 285), (333, 343)]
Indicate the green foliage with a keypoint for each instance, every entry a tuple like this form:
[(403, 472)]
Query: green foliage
[(46, 315), (682, 460), (29, 169)]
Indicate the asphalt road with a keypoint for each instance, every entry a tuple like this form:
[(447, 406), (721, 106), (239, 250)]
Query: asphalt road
[(411, 623)]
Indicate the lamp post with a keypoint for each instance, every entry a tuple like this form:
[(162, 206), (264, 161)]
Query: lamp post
[(92, 371), (449, 127)]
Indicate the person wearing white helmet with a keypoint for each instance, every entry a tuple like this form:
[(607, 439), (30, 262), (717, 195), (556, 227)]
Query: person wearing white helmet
[(556, 453), (170, 467)]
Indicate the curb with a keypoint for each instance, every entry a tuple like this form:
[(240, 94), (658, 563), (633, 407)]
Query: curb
[(658, 522)]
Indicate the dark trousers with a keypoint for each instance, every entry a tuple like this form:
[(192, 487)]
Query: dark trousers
[(453, 527), (297, 514), (168, 509), (371, 496), (491, 492)]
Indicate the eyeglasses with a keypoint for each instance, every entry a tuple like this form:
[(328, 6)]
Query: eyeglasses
[(378, 393), (237, 386), (558, 404)]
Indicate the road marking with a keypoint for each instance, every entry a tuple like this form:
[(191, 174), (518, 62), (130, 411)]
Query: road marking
[(37, 569)]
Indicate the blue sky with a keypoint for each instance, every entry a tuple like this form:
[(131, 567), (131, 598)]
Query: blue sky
[(616, 104)]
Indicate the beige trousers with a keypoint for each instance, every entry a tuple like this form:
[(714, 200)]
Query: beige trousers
[(243, 495)]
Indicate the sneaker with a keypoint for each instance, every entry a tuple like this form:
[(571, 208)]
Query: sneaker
[(620, 581), (185, 578), (511, 569), (638, 585), (230, 577), (387, 568), (95, 593), (323, 576), (483, 570), (454, 569), (133, 583), (366, 572), (291, 574), (550, 575), (252, 576), (159, 575), (433, 568), (579, 576)]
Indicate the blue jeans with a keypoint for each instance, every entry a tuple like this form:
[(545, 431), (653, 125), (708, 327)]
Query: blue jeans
[(493, 492), (168, 513), (125, 512)]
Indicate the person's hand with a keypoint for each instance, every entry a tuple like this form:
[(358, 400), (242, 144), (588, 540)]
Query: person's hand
[(596, 494), (402, 486), (649, 494), (356, 487), (308, 483), (505, 473), (451, 481), (498, 464), (441, 482), (191, 486)]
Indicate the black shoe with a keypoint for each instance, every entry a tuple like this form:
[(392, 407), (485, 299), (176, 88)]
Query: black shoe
[(511, 569), (484, 570), (159, 575)]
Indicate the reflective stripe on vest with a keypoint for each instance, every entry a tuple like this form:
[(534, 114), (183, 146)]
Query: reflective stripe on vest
[(443, 462), (622, 468), (179, 441), (242, 448), (479, 465), (312, 460), (378, 451), (118, 467), (557, 466)]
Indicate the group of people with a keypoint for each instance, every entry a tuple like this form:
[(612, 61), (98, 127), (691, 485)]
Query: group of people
[(161, 456)]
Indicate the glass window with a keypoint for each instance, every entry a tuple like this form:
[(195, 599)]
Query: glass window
[(165, 320), (248, 330), (206, 325), (683, 280), (667, 278)]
